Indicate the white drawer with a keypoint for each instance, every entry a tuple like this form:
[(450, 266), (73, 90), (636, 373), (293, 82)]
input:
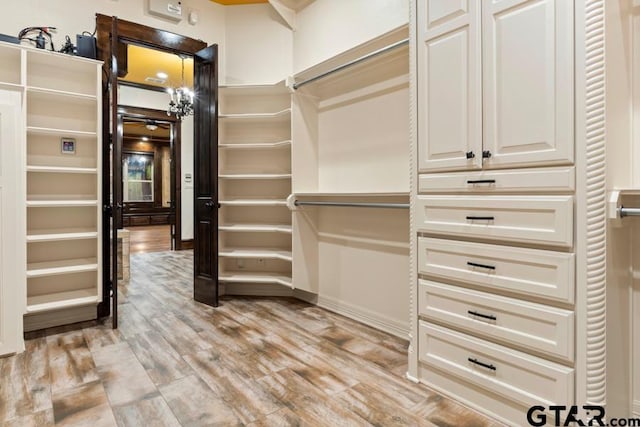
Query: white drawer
[(514, 375), (535, 326), (529, 272), (545, 220), (528, 180)]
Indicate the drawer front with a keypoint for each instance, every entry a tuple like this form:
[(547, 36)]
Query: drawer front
[(534, 180), (534, 326), (514, 375), (544, 220), (529, 272)]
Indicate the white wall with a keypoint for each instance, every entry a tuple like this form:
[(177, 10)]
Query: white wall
[(259, 45), (328, 27), (72, 17), (158, 100)]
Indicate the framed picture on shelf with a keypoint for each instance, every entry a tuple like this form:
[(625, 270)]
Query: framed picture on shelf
[(68, 145)]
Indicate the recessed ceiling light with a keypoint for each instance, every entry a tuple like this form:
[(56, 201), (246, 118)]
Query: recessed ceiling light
[(162, 75), (145, 138)]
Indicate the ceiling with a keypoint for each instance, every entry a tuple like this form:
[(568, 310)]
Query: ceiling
[(144, 64), (291, 4), (136, 128)]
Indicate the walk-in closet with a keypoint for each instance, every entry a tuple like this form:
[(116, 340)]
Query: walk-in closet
[(376, 212)]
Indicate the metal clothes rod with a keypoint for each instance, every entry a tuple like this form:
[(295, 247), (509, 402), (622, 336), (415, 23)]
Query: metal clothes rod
[(354, 62), (629, 212), (355, 204)]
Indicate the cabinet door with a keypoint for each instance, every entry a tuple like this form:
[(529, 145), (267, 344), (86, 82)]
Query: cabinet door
[(12, 237), (528, 82), (449, 85)]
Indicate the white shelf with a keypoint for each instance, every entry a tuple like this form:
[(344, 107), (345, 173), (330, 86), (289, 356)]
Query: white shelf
[(255, 176), (61, 132), (284, 114), (60, 300), (257, 145), (257, 228), (62, 93), (61, 169), (353, 194), (275, 89), (255, 277), (50, 203), (11, 86), (267, 253), (53, 268), (61, 234), (253, 202)]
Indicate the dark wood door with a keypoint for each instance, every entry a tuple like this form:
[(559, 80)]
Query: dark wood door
[(205, 148)]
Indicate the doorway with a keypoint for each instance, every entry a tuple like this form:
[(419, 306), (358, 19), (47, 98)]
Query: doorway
[(113, 38), (150, 165)]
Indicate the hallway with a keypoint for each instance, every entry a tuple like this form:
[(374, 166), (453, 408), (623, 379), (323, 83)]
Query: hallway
[(253, 361)]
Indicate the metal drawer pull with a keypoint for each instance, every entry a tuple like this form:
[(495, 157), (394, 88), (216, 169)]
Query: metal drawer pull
[(484, 316), (480, 218), (486, 154), (484, 365), (481, 181), (475, 264), (469, 154)]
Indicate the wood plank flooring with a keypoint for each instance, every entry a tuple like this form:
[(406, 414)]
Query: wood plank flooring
[(251, 362), (149, 238)]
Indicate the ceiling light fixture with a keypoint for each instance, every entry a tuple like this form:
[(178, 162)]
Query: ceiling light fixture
[(145, 138), (151, 125), (181, 103)]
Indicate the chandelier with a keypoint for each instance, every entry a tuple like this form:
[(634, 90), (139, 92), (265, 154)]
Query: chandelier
[(181, 102)]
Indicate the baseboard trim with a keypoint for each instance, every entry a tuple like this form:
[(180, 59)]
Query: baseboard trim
[(260, 290), (412, 378), (363, 315), (50, 319), (636, 408), (185, 244)]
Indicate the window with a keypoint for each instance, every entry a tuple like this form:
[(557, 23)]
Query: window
[(137, 172)]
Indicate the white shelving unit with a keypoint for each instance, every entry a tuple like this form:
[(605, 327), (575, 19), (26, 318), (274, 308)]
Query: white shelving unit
[(255, 181), (63, 190), (351, 146)]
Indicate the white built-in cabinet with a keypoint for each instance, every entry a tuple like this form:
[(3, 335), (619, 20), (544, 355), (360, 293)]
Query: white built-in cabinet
[(496, 84), (254, 183), (494, 204), (61, 199), (11, 218)]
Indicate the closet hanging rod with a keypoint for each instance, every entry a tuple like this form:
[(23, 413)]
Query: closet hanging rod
[(350, 63), (629, 212), (354, 204)]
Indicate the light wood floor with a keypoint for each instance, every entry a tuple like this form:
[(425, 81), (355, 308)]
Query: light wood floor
[(252, 361), (150, 238)]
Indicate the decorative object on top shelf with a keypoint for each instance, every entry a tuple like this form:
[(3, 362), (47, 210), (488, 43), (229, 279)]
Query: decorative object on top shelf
[(181, 103)]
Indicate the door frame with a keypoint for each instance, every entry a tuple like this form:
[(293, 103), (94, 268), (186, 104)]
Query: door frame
[(142, 35), (126, 111)]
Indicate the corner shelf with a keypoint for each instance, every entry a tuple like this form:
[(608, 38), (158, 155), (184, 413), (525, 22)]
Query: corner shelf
[(266, 253), (254, 176), (53, 268), (253, 202), (257, 228), (255, 277), (256, 145), (279, 115), (59, 300)]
